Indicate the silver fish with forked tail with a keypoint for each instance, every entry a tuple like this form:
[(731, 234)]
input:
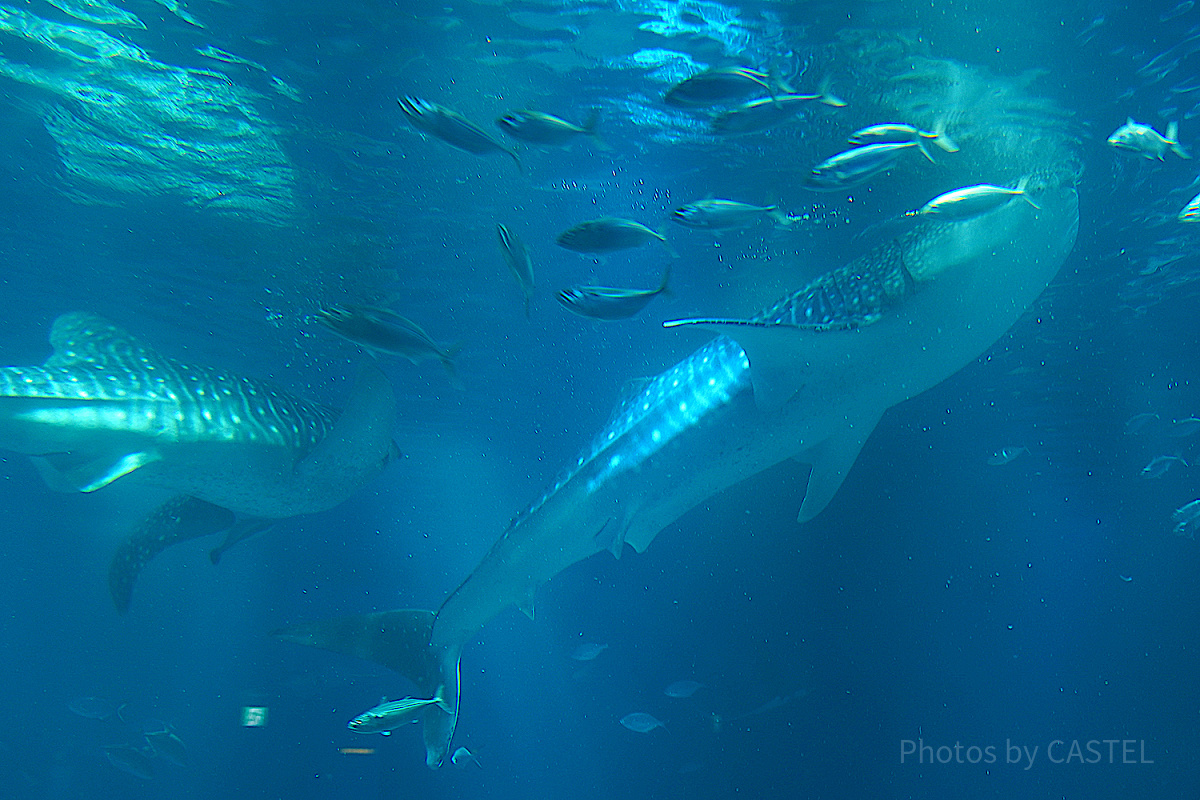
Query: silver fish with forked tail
[(603, 302), (452, 128), (899, 132), (382, 330), (607, 235), (516, 255), (715, 214), (719, 86), (387, 716), (764, 112), (969, 202), (547, 130), (855, 167)]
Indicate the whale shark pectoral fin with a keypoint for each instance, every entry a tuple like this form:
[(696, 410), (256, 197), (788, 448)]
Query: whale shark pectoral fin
[(178, 519), (72, 472), (831, 461), (776, 352)]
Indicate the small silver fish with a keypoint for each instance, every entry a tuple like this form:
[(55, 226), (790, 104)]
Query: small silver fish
[(386, 717), (1005, 455), (854, 167), (1187, 519), (1176, 10), (546, 129), (131, 759), (1139, 421), (166, 744), (1184, 427), (93, 707), (588, 651), (384, 331), (970, 202), (898, 132), (462, 757), (641, 722), (1159, 465), (607, 235), (452, 128), (718, 86), (1146, 142), (604, 302), (720, 215), (764, 112), (516, 255)]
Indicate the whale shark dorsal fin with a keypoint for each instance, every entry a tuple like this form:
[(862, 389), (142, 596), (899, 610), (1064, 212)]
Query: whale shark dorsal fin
[(776, 353), (80, 337), (831, 461)]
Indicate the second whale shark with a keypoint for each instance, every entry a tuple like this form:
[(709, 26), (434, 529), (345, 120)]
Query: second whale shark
[(240, 454)]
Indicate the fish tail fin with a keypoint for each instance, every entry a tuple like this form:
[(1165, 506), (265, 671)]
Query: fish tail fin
[(925, 151), (450, 353), (828, 98), (781, 218), (1173, 141), (670, 250), (589, 128), (517, 158), (181, 518), (776, 83), (1023, 190), (398, 640), (590, 123), (666, 278), (941, 139)]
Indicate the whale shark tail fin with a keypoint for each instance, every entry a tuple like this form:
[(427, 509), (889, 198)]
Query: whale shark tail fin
[(398, 640), (178, 519)]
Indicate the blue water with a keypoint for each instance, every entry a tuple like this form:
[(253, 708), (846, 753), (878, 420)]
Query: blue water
[(938, 598)]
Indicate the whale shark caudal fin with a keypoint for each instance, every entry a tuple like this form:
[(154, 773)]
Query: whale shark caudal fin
[(400, 641), (180, 518)]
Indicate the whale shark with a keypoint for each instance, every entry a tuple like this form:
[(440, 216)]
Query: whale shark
[(238, 452), (807, 378)]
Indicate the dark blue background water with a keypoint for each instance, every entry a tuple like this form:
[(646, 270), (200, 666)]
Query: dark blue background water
[(938, 598)]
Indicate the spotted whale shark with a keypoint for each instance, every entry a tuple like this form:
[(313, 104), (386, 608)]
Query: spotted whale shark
[(807, 378), (238, 452)]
